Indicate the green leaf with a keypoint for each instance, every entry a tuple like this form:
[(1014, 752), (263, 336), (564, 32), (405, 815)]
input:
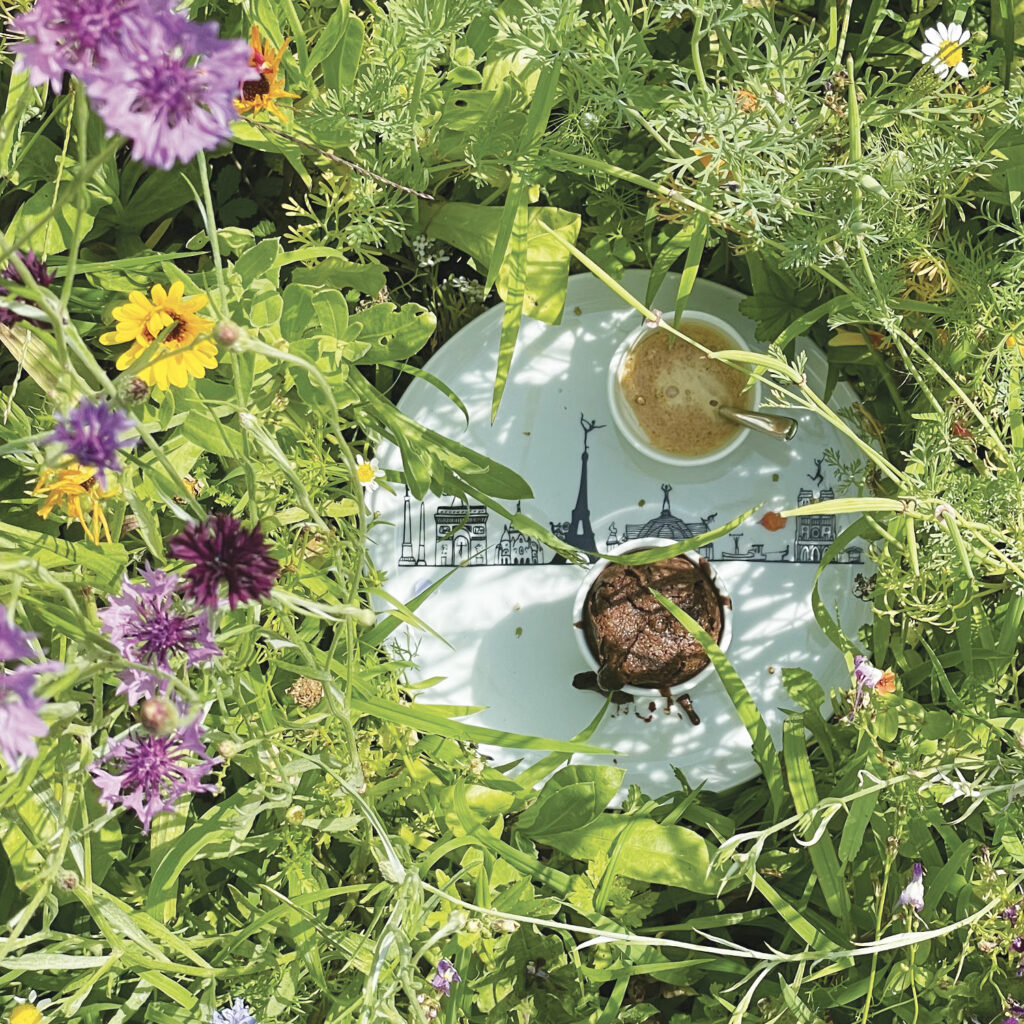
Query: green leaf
[(805, 797), (571, 798), (337, 272), (515, 294), (765, 754), (474, 230), (661, 854), (56, 234), (386, 332), (257, 261)]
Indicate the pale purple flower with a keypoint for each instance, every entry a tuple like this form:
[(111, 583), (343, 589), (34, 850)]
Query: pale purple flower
[(444, 977), (149, 624), (14, 641), (913, 893), (20, 724), (175, 98), (224, 552), (1010, 913), (151, 773), (864, 673), (80, 37), (236, 1013), (37, 271), (91, 435)]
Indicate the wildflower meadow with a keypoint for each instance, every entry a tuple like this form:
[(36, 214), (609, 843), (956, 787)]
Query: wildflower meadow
[(281, 284)]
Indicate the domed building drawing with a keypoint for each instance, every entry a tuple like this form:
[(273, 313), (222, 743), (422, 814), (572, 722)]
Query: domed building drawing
[(667, 525)]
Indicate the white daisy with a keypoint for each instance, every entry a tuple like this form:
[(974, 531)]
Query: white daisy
[(943, 49), (368, 473)]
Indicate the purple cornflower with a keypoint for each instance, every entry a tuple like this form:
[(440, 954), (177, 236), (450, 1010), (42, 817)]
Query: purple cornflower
[(37, 270), (154, 771), (20, 724), (81, 37), (14, 641), (224, 552), (236, 1013), (444, 977), (91, 435), (174, 97), (913, 893), (149, 626)]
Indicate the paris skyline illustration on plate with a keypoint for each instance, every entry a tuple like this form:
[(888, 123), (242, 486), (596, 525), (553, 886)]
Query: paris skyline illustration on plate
[(456, 533)]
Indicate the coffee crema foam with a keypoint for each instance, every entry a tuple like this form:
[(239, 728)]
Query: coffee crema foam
[(675, 390)]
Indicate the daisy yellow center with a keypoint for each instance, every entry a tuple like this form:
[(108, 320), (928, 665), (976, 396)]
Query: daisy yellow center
[(25, 1013), (365, 472), (950, 53)]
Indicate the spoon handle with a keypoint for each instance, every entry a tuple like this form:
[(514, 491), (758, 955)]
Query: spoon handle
[(781, 427)]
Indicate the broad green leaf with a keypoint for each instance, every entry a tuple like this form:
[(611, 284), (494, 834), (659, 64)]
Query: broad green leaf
[(474, 229), (386, 332), (661, 854), (570, 799)]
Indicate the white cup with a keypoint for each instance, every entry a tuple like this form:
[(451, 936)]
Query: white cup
[(640, 544), (625, 418)]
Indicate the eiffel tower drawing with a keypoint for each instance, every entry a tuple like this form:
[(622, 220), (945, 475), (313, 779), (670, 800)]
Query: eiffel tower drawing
[(578, 530)]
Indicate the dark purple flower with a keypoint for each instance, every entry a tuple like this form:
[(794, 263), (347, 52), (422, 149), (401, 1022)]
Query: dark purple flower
[(149, 626), (80, 37), (913, 893), (1017, 944), (224, 552), (20, 724), (444, 977), (1011, 1020), (154, 772), (1010, 913), (91, 435), (236, 1013), (14, 641), (176, 97), (37, 270)]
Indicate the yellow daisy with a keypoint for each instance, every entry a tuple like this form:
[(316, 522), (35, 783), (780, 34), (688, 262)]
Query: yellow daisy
[(170, 320), (66, 487), (260, 93)]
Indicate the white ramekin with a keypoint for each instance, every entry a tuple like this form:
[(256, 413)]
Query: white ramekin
[(640, 544), (624, 417)]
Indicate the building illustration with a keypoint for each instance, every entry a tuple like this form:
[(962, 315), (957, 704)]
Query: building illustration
[(515, 548), (814, 534), (461, 531), (666, 525), (460, 534)]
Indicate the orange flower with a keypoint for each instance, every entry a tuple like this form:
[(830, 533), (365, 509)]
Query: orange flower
[(746, 101), (887, 684), (261, 93), (66, 487)]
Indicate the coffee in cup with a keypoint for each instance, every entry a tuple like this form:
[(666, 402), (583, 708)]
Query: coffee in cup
[(666, 393)]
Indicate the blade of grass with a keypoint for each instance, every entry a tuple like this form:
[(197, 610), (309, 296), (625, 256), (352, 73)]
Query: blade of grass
[(765, 754)]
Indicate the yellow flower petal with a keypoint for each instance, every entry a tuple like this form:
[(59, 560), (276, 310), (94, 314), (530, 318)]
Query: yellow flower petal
[(159, 294), (174, 295)]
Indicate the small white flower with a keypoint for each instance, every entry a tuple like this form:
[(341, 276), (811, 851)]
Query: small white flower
[(368, 473), (943, 49)]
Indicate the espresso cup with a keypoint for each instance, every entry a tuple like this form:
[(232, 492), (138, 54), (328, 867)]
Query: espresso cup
[(642, 544), (624, 413)]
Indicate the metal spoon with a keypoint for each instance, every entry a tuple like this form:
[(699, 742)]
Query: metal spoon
[(782, 427)]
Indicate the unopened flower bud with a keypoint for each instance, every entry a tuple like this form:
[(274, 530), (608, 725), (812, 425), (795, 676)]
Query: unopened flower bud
[(135, 389), (472, 925), (158, 715), (295, 815), (68, 880), (226, 333), (227, 748), (503, 924)]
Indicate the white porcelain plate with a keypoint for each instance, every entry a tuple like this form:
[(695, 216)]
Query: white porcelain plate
[(506, 615)]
